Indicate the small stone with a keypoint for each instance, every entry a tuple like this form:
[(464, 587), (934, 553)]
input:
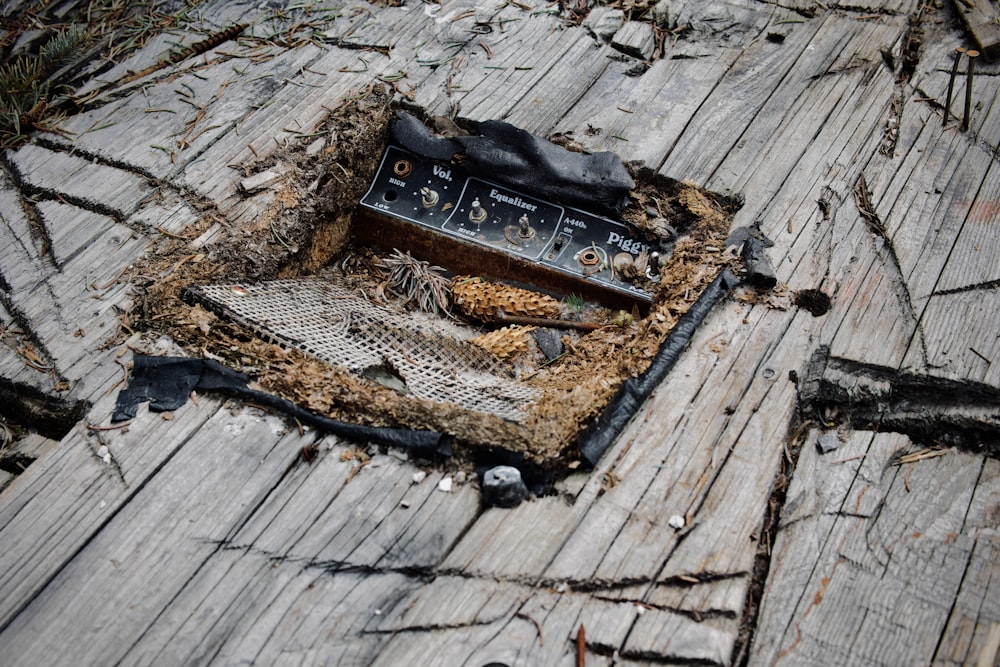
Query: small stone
[(604, 22), (549, 342), (503, 487), (419, 476), (635, 38), (405, 504), (460, 477), (827, 442), (445, 485), (104, 454), (676, 521)]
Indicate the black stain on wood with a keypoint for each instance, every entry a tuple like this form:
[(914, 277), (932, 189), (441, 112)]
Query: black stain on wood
[(930, 410), (50, 416), (813, 301)]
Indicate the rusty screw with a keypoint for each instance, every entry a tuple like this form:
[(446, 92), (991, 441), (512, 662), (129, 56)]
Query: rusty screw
[(951, 84), (972, 55)]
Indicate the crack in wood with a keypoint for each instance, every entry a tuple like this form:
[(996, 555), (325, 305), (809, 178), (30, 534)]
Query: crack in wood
[(191, 197), (51, 416), (108, 458), (694, 614), (767, 536), (909, 58), (38, 193), (658, 659), (432, 627), (866, 209), (27, 330), (585, 586), (988, 285), (36, 225), (97, 158)]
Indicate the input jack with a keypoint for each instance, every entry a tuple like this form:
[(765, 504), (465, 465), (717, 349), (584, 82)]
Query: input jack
[(402, 168), (589, 257)]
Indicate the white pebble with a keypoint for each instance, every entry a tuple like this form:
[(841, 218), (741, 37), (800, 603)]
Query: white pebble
[(445, 485), (419, 476), (676, 521)]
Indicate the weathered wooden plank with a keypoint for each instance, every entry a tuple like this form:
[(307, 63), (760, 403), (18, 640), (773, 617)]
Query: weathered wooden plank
[(68, 298), (778, 98), (969, 350), (520, 73), (78, 319), (927, 204), (497, 544), (151, 129), (263, 611), (905, 199), (202, 493), (22, 256), (57, 505), (982, 20), (515, 625), (241, 608), (420, 534), (16, 364), (971, 636), (896, 541), (649, 113), (677, 638)]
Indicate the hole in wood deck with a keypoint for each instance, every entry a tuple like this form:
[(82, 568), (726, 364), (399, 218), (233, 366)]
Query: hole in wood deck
[(320, 322)]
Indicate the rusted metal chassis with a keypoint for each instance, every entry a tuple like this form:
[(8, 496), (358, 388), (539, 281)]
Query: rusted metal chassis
[(454, 254)]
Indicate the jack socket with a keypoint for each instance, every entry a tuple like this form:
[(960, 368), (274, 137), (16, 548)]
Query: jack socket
[(402, 168), (590, 257)]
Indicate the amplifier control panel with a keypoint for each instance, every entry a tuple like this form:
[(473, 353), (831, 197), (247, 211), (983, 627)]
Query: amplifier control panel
[(439, 199)]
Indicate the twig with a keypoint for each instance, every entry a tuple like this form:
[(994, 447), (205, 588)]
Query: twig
[(922, 455), (546, 322), (538, 626), (112, 427)]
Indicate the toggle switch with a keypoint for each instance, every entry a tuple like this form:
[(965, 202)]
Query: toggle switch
[(524, 228), (429, 198), (477, 213)]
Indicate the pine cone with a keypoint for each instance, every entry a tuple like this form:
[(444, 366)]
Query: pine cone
[(480, 299), (505, 343)]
